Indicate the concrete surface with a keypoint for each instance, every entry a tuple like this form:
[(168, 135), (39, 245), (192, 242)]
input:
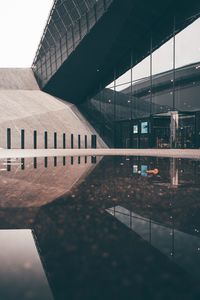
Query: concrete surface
[(177, 153), (34, 187), (17, 79), (24, 106)]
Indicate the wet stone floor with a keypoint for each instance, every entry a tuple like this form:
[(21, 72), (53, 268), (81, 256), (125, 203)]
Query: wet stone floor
[(99, 228)]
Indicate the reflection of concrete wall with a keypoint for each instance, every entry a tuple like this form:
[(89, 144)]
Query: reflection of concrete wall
[(24, 106), (36, 187)]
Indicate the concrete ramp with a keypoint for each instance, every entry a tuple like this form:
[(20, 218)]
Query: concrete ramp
[(24, 106)]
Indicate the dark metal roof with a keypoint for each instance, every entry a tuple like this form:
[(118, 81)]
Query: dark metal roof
[(64, 14)]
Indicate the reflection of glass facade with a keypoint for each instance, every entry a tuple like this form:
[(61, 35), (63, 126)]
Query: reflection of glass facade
[(161, 237), (167, 81)]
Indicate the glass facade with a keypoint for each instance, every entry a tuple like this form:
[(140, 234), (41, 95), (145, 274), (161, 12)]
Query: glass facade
[(156, 102), (69, 22)]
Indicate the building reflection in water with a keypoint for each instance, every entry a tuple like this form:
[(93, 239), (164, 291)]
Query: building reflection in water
[(76, 234), (171, 171), (9, 163), (182, 248), (36, 181), (21, 274), (174, 174)]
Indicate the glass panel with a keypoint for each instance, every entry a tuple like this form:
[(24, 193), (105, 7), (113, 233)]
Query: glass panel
[(141, 89), (186, 131), (187, 75), (69, 40), (59, 62), (53, 55), (48, 62), (188, 45), (135, 129), (142, 69), (83, 26), (123, 103), (144, 127), (162, 78), (125, 78), (48, 72), (64, 46), (91, 18), (187, 96), (112, 84), (76, 34), (99, 9)]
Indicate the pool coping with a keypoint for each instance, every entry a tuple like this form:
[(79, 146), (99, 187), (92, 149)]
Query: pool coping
[(25, 153)]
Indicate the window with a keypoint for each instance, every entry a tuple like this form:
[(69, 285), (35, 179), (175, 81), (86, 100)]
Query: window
[(144, 169), (135, 128), (144, 127), (135, 169)]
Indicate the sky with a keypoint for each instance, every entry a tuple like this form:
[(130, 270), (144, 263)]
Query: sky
[(21, 26)]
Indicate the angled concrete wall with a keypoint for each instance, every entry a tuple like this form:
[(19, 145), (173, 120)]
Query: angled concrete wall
[(17, 79), (24, 106)]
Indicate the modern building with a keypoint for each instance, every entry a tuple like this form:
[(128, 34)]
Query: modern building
[(141, 115), (132, 68)]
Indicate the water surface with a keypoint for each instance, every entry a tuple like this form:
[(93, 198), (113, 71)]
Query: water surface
[(106, 228)]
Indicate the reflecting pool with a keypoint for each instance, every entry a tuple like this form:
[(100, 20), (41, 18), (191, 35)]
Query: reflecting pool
[(100, 228)]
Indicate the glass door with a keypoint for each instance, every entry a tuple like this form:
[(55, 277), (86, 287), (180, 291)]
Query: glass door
[(186, 131), (161, 131)]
